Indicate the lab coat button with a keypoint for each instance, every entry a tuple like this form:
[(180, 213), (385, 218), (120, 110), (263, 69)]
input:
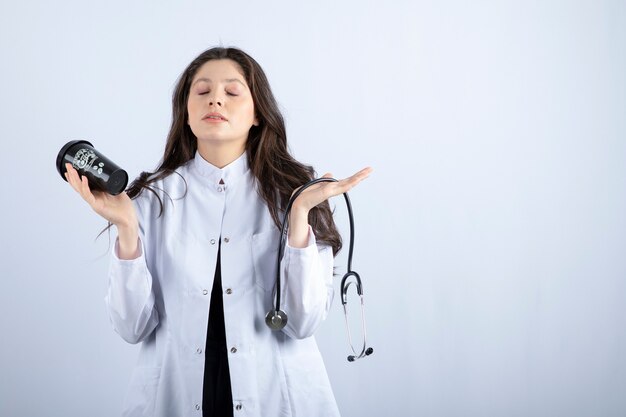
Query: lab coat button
[(226, 240), (238, 407), (220, 189), (197, 406), (233, 350), (199, 351), (229, 291), (212, 241), (205, 292)]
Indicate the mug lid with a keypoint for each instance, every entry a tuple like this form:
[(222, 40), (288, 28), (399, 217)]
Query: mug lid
[(63, 151)]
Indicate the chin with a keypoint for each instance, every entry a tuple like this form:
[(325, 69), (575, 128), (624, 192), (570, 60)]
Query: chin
[(217, 140)]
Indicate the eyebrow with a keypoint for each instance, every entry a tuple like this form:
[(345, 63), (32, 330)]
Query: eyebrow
[(228, 80)]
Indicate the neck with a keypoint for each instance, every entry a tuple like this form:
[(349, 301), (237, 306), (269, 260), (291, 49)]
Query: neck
[(220, 155)]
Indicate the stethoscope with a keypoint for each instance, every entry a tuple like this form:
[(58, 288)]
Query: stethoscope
[(276, 319)]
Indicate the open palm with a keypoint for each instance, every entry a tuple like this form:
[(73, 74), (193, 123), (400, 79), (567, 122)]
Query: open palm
[(322, 191)]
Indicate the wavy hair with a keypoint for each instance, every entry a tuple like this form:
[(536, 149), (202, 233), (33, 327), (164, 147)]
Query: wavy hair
[(276, 172)]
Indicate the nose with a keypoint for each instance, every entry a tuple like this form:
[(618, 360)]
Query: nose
[(214, 99)]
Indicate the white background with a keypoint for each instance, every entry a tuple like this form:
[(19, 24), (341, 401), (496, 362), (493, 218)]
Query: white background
[(490, 236)]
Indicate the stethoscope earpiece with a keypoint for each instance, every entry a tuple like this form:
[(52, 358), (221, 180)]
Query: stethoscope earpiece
[(276, 319), (368, 352)]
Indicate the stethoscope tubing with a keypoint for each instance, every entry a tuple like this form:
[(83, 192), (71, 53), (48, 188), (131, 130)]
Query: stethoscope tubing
[(276, 319)]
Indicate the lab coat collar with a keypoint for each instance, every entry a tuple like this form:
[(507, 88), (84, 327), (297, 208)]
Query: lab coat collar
[(231, 173)]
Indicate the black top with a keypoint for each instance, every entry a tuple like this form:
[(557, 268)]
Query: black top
[(217, 399), (216, 333)]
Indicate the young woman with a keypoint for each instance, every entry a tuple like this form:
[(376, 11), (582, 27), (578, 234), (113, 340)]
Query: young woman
[(194, 264)]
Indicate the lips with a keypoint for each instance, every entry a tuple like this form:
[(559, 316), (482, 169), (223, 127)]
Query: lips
[(214, 116)]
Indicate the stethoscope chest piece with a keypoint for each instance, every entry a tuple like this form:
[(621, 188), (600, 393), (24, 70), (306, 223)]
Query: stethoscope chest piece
[(276, 319)]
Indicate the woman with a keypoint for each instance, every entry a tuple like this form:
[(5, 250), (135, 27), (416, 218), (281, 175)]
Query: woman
[(193, 268)]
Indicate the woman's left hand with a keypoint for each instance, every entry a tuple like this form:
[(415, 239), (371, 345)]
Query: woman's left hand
[(311, 197), (321, 192)]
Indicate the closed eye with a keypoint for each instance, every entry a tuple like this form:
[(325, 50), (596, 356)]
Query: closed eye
[(206, 92)]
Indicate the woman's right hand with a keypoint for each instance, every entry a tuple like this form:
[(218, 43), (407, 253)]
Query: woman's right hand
[(117, 209)]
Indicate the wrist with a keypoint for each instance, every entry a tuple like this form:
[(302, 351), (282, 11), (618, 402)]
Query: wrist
[(127, 228), (127, 224), (298, 227), (127, 232), (299, 211)]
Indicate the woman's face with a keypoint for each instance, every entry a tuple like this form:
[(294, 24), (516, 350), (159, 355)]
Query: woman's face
[(219, 87)]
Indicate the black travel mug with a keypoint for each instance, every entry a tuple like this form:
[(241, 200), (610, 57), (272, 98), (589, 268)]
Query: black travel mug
[(101, 172)]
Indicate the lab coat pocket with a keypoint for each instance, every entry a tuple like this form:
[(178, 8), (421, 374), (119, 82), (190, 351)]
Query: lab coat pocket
[(264, 253), (141, 396)]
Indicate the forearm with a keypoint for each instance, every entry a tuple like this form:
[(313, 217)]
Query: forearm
[(130, 300), (308, 290), (128, 242)]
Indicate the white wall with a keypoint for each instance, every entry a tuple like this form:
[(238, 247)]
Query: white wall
[(490, 236)]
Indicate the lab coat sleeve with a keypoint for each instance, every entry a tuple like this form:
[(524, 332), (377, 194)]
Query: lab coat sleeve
[(130, 300), (307, 293)]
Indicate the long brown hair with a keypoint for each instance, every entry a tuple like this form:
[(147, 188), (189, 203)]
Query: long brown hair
[(277, 173)]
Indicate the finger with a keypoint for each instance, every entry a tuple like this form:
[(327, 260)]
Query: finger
[(80, 184), (69, 168), (77, 181), (86, 192), (71, 177), (365, 172), (362, 174), (357, 177), (347, 184), (67, 172), (69, 180), (339, 187)]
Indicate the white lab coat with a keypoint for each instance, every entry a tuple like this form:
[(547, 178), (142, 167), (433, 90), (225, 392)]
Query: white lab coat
[(162, 300)]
